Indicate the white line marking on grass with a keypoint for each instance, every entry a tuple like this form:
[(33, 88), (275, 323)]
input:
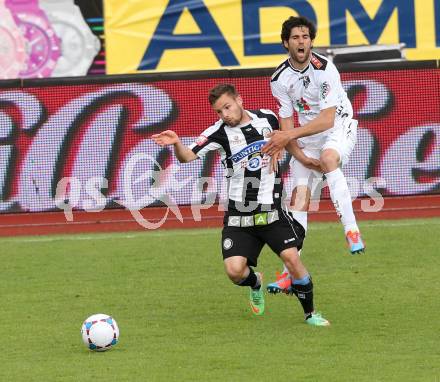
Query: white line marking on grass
[(116, 235), (378, 223), (197, 232)]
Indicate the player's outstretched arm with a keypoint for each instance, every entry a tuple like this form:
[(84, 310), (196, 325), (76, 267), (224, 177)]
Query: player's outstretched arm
[(279, 139), (169, 137), (324, 121)]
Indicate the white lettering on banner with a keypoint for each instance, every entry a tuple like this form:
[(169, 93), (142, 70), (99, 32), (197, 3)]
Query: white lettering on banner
[(30, 179), (136, 166), (360, 159), (6, 149), (32, 114), (378, 96), (142, 192), (404, 153), (31, 110), (97, 146), (49, 146)]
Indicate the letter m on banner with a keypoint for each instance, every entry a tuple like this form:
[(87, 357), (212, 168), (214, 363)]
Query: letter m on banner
[(164, 38), (372, 28)]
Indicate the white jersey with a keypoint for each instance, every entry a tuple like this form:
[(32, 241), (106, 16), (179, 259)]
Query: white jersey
[(309, 91)]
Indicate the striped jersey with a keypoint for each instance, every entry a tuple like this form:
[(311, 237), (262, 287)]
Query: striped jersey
[(251, 185), (308, 91)]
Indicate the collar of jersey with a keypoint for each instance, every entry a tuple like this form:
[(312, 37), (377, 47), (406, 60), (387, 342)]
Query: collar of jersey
[(296, 70)]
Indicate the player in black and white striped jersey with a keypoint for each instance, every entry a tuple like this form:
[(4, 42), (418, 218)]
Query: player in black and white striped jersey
[(254, 216), (240, 150)]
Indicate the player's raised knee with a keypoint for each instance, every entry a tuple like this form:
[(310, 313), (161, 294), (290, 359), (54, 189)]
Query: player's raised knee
[(329, 159), (235, 270)]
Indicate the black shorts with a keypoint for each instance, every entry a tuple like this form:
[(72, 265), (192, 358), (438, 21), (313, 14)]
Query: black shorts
[(249, 241)]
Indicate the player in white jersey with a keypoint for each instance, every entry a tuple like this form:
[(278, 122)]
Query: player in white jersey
[(310, 85), (254, 216)]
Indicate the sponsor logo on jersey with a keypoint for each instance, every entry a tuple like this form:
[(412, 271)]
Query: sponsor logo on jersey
[(302, 105), (325, 89), (253, 148), (317, 63), (201, 140), (254, 164), (306, 81), (236, 141)]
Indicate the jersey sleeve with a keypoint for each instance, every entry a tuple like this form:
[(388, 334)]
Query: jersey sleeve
[(206, 141), (272, 118), (329, 85), (283, 99)]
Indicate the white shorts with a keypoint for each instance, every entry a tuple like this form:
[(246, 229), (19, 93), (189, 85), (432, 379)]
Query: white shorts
[(303, 176), (342, 140)]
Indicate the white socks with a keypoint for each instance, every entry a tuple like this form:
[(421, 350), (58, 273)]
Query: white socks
[(341, 198)]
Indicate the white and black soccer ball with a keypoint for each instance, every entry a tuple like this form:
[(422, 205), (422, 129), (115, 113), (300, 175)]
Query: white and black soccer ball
[(100, 332)]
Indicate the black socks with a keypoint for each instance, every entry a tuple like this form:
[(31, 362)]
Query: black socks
[(251, 281), (305, 296)]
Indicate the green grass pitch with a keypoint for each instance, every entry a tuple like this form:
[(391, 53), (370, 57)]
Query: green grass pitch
[(181, 319)]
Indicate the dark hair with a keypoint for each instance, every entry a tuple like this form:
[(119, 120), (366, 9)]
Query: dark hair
[(293, 22), (216, 92)]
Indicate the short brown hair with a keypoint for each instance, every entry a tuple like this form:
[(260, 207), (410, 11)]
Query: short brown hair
[(216, 92), (293, 22)]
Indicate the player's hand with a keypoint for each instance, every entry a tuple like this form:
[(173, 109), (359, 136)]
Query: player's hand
[(165, 138), (278, 140), (274, 161), (313, 164)]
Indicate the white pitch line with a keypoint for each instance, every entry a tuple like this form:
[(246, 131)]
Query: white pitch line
[(98, 236), (384, 223), (197, 232)]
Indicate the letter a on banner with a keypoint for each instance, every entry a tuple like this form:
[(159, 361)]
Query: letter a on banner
[(164, 38)]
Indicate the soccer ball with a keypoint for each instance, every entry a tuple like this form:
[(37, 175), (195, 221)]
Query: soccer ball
[(100, 332)]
